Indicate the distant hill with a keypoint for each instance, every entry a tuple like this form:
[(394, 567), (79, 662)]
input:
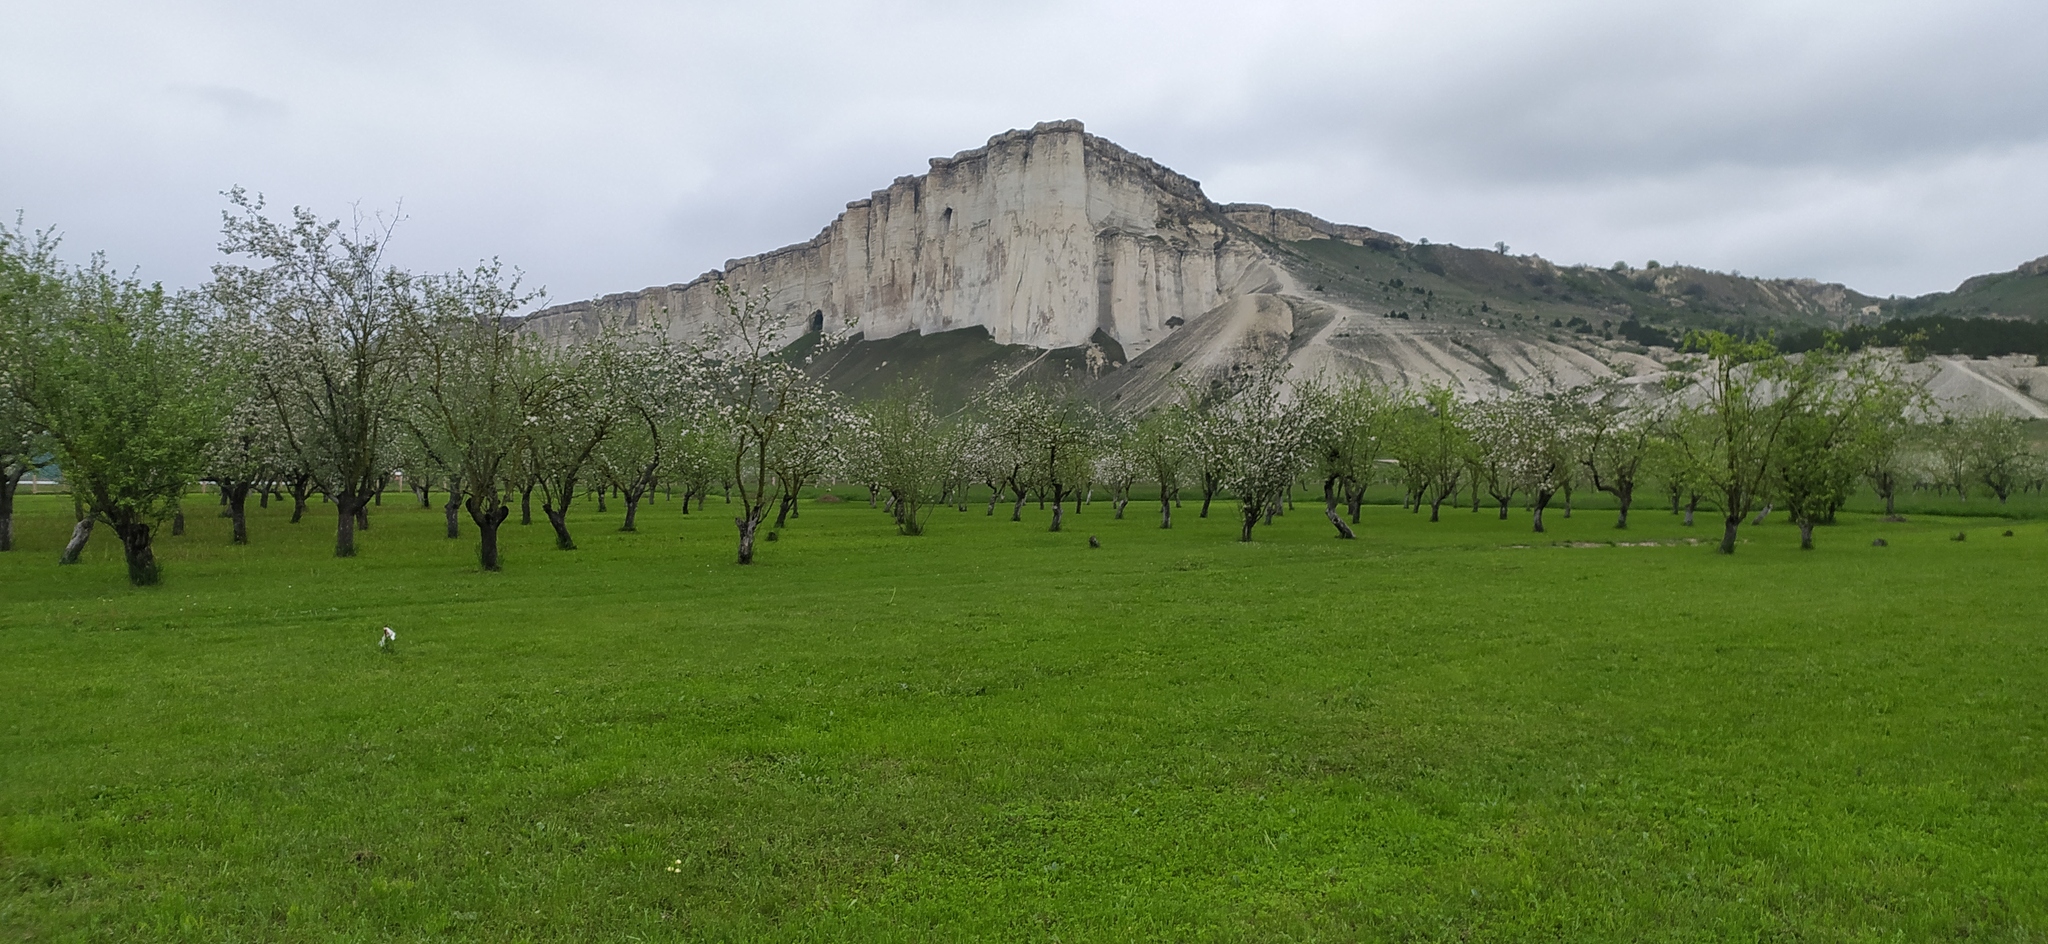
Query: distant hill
[(2021, 293), (1051, 254)]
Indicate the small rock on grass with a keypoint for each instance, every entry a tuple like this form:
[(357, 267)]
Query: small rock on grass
[(1880, 542), (1093, 542), (1961, 536)]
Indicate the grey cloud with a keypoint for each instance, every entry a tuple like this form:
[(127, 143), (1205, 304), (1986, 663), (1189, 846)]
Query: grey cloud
[(610, 146)]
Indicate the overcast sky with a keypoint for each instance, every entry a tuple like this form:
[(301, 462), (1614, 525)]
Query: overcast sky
[(603, 147)]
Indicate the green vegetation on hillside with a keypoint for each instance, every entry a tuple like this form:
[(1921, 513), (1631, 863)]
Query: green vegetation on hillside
[(1935, 334), (993, 732), (2022, 293), (1441, 282)]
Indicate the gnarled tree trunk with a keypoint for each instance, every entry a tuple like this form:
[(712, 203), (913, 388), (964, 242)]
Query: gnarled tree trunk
[(302, 487), (8, 484), (488, 521), (238, 510), (453, 506), (747, 526), (1542, 501), (142, 567), (80, 533), (1330, 510), (559, 520), (348, 510)]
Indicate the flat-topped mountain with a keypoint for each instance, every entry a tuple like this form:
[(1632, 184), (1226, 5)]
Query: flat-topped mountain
[(1054, 251)]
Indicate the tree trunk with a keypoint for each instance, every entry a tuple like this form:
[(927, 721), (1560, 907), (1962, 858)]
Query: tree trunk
[(526, 505), (1890, 504), (1567, 502), (1806, 534), (747, 528), (453, 506), (8, 484), (1504, 507), (1691, 507), (1434, 505), (345, 511), (1058, 503), (1734, 521), (1623, 496), (1542, 501), (994, 496), (1119, 502), (1251, 519), (1165, 512), (1761, 515), (301, 488), (782, 511), (1206, 496), (488, 521), (177, 530), (1357, 498), (632, 510), (1330, 510), (560, 521), (142, 568), (1017, 510), (238, 511), (363, 515), (80, 533)]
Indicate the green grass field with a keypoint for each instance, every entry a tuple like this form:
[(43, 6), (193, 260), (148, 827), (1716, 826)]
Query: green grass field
[(992, 732)]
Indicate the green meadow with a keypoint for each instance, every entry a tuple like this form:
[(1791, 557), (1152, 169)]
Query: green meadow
[(1458, 731)]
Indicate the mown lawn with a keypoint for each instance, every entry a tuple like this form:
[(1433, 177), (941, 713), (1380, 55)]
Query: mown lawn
[(992, 732)]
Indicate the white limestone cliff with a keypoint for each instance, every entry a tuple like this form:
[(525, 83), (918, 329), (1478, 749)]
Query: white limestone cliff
[(1043, 237), (1054, 238)]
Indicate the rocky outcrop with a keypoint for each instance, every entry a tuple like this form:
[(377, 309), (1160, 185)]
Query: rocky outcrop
[(1053, 252), (1042, 237)]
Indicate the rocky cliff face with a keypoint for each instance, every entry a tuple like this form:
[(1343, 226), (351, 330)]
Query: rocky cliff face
[(1053, 251), (1043, 237)]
